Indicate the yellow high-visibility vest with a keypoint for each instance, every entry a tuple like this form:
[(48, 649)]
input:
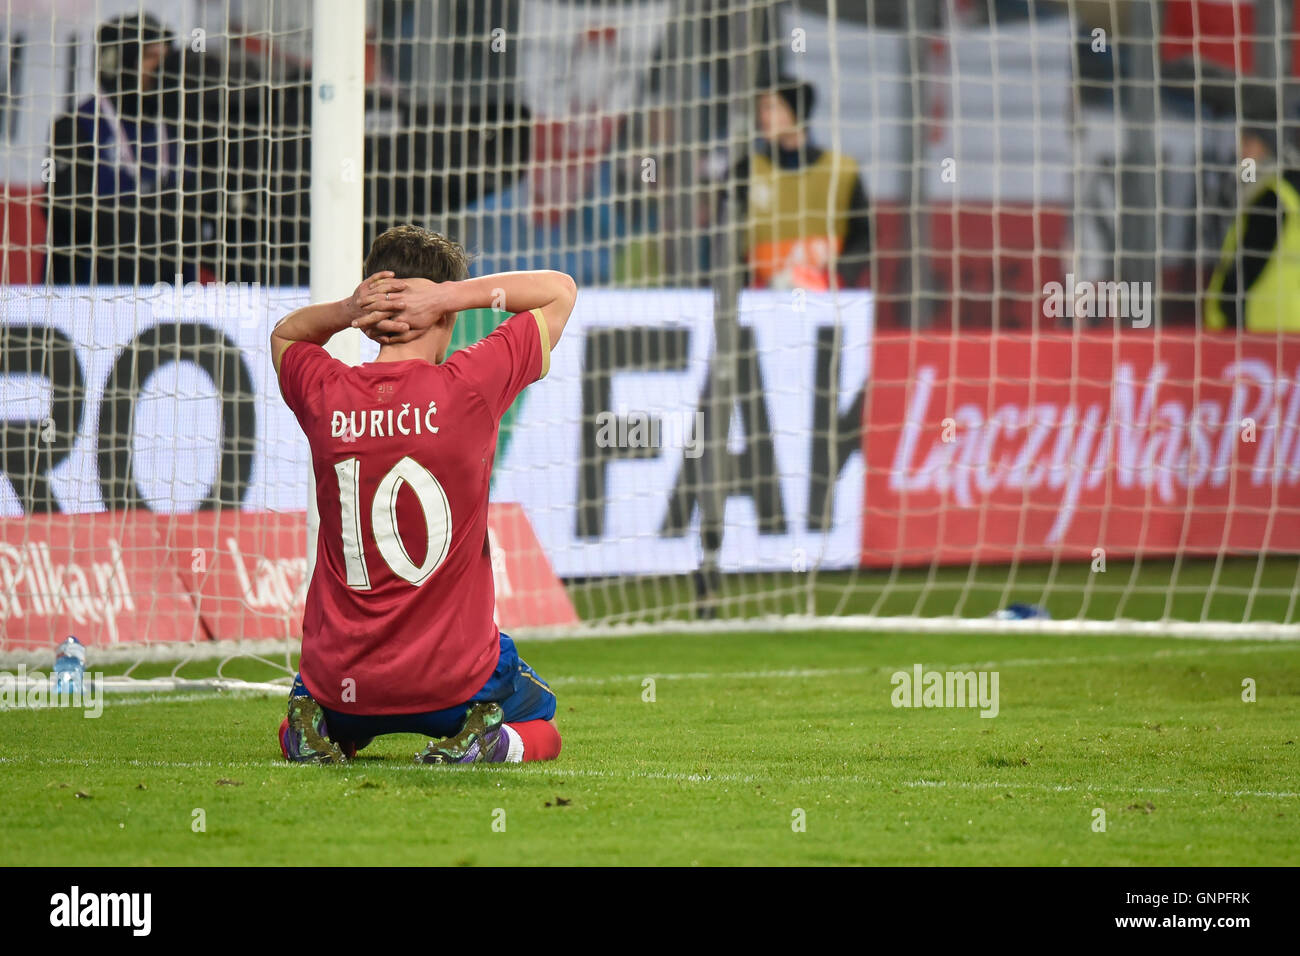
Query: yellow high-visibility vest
[(796, 216), (1273, 301)]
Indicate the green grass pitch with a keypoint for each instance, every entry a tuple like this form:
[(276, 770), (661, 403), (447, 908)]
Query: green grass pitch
[(747, 735)]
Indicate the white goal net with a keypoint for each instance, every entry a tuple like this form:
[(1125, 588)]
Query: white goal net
[(894, 314)]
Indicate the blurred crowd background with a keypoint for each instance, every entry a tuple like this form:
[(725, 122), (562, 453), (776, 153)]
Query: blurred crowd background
[(954, 157)]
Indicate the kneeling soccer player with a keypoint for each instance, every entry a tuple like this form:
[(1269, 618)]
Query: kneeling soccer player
[(398, 632)]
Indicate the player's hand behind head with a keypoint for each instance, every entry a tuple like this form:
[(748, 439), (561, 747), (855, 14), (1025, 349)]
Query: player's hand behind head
[(422, 302), (404, 310), (374, 295), (374, 312)]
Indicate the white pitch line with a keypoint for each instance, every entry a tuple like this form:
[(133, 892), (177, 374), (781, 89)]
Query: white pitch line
[(163, 697), (112, 700), (536, 770), (920, 784), (1067, 788), (115, 700), (840, 671)]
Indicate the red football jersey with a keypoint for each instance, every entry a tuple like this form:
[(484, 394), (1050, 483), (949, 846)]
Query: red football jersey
[(399, 610)]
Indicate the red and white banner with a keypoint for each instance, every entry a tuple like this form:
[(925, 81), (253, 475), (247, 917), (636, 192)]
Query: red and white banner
[(98, 576), (528, 592), (1031, 447), (134, 577), (246, 573)]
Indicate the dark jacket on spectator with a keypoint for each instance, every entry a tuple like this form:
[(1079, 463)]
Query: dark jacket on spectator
[(115, 199)]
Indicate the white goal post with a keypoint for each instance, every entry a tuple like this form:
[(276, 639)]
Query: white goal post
[(338, 123)]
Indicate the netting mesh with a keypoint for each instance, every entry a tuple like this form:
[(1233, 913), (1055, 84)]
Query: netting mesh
[(895, 308)]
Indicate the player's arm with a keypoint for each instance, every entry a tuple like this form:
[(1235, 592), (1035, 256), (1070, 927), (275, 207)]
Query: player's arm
[(550, 293), (372, 299)]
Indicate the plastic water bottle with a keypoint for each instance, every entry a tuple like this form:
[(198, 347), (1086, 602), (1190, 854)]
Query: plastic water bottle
[(69, 666)]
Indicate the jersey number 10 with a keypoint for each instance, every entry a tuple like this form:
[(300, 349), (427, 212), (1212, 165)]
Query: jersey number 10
[(383, 521)]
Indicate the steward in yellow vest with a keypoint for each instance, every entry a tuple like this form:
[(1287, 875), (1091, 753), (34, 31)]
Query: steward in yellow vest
[(1256, 285), (803, 205)]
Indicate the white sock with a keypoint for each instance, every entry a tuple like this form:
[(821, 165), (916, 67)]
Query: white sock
[(515, 752)]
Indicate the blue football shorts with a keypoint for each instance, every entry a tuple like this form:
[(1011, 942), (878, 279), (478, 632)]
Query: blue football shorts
[(514, 685)]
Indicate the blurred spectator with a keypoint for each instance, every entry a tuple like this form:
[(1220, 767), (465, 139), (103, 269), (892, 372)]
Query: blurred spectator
[(1256, 285), (119, 163), (801, 203)]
